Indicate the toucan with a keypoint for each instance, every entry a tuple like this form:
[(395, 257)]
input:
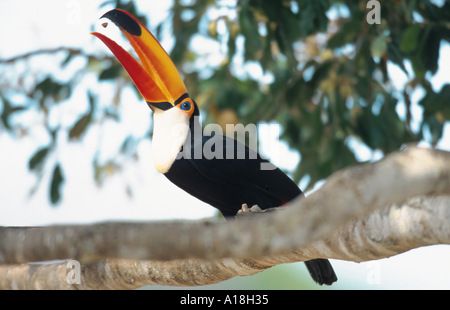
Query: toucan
[(230, 179)]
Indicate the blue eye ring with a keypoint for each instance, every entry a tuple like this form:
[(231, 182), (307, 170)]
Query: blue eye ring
[(185, 106)]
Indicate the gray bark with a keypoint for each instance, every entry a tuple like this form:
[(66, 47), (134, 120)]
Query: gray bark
[(362, 213)]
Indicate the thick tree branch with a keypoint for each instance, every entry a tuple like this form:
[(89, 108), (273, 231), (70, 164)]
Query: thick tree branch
[(420, 221), (342, 220), (345, 195)]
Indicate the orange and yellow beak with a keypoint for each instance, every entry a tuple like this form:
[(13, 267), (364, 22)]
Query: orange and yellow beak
[(157, 79)]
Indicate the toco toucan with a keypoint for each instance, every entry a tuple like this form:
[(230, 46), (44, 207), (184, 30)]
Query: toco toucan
[(225, 182)]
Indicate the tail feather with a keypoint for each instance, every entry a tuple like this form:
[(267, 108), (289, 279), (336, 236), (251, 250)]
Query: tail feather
[(321, 271)]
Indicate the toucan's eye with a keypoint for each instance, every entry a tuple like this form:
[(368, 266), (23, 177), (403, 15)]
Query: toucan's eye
[(185, 106)]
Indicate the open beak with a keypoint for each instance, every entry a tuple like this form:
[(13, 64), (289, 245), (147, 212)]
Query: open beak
[(157, 79)]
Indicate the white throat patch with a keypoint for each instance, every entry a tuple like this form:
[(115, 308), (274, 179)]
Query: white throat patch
[(170, 129)]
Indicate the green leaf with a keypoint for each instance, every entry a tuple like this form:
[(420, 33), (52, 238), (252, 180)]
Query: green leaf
[(410, 39), (435, 127), (312, 16), (396, 56), (55, 187), (111, 72), (67, 59), (253, 44), (437, 102), (348, 33), (418, 66), (35, 162), (80, 126), (92, 99), (8, 109), (378, 46), (430, 53), (50, 88), (127, 144)]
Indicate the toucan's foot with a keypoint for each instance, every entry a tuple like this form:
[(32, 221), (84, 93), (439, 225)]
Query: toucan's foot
[(245, 210), (254, 208)]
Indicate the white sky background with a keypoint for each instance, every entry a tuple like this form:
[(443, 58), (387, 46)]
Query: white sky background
[(29, 25)]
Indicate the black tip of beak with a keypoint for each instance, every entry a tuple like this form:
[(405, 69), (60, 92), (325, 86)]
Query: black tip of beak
[(124, 21)]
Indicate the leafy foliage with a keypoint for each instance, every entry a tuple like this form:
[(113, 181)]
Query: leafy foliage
[(326, 79), (55, 187)]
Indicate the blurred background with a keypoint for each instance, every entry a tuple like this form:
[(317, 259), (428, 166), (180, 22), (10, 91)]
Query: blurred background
[(75, 135)]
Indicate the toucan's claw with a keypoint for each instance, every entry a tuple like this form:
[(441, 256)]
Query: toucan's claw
[(254, 208), (245, 210)]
